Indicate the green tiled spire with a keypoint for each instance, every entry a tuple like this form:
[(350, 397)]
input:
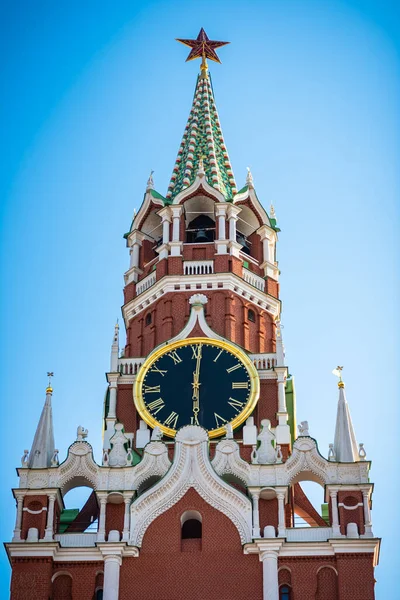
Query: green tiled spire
[(203, 139)]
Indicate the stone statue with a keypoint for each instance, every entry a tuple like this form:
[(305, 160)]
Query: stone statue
[(331, 453), (117, 454), (156, 436), (266, 451), (229, 431), (54, 460), (81, 434), (24, 459), (303, 428)]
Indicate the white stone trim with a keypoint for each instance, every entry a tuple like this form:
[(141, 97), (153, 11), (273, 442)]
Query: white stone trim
[(219, 281), (191, 469)]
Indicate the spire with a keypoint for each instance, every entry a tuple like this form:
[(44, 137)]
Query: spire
[(345, 445), (115, 350), (203, 137), (42, 450)]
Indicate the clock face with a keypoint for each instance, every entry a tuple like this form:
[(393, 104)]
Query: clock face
[(198, 381)]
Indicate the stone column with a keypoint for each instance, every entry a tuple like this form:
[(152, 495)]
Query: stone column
[(233, 212), (281, 373), (367, 514), (134, 253), (48, 534), (220, 217), (256, 515), (269, 560), (112, 564), (135, 240), (101, 533), (335, 514), (165, 215), (18, 520), (127, 515), (281, 514), (176, 244)]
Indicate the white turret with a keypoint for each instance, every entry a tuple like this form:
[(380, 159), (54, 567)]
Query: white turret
[(115, 350), (42, 450), (345, 445)]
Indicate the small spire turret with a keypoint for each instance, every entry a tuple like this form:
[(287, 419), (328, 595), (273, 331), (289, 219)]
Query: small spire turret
[(42, 450), (115, 349), (345, 444)]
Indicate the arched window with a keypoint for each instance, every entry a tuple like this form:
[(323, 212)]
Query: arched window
[(284, 592), (62, 586), (147, 320), (99, 595), (191, 529), (251, 315), (200, 230)]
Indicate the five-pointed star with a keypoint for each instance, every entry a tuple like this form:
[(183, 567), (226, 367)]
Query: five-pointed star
[(202, 46)]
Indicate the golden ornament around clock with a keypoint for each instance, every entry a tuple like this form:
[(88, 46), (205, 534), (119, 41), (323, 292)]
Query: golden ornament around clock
[(196, 381)]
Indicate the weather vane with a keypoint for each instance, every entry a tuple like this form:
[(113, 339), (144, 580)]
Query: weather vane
[(338, 373), (50, 374), (202, 47)]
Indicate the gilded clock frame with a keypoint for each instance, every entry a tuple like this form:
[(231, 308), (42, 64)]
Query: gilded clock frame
[(224, 345)]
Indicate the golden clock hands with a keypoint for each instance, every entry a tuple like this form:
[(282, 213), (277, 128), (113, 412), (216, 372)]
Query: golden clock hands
[(196, 387)]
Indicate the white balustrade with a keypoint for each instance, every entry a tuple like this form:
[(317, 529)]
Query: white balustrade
[(264, 362), (129, 366), (76, 540), (146, 283), (198, 267), (308, 534), (253, 279)]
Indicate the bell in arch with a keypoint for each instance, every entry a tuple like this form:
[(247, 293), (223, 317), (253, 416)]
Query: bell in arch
[(201, 236)]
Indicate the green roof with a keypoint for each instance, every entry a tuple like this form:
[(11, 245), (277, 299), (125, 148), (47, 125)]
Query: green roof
[(203, 139)]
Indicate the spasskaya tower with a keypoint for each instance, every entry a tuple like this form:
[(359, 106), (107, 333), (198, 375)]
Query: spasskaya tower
[(199, 483)]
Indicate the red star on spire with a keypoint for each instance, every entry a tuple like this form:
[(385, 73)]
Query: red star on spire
[(202, 47)]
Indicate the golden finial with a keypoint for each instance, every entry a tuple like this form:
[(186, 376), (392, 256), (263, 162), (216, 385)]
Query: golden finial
[(49, 389), (338, 373)]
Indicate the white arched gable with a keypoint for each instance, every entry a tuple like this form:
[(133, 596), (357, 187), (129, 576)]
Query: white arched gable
[(191, 469)]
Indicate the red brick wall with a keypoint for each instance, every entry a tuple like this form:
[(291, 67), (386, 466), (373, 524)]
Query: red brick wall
[(356, 515), (220, 570), (356, 576), (114, 517), (327, 584), (34, 520), (268, 513), (31, 578), (84, 575)]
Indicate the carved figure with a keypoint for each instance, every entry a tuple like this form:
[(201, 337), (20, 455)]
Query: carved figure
[(129, 457), (229, 431), (54, 459), (24, 458), (156, 436), (81, 434), (117, 454), (105, 457), (278, 454), (266, 451), (331, 453), (303, 428)]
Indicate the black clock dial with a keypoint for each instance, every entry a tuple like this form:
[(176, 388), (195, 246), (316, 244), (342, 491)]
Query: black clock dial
[(197, 383)]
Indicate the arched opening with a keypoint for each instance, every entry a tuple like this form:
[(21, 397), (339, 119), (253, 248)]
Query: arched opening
[(327, 584), (147, 320), (307, 499), (200, 230), (61, 588), (81, 511), (191, 531), (251, 315), (98, 594), (246, 226)]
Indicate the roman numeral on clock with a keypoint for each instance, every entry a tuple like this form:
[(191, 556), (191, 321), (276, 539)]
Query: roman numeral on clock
[(220, 421), (234, 368), (172, 420), (196, 351), (239, 385), (156, 405), (151, 389), (175, 357), (155, 369), (236, 404)]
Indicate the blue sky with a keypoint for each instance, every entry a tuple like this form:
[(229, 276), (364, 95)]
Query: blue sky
[(96, 94)]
